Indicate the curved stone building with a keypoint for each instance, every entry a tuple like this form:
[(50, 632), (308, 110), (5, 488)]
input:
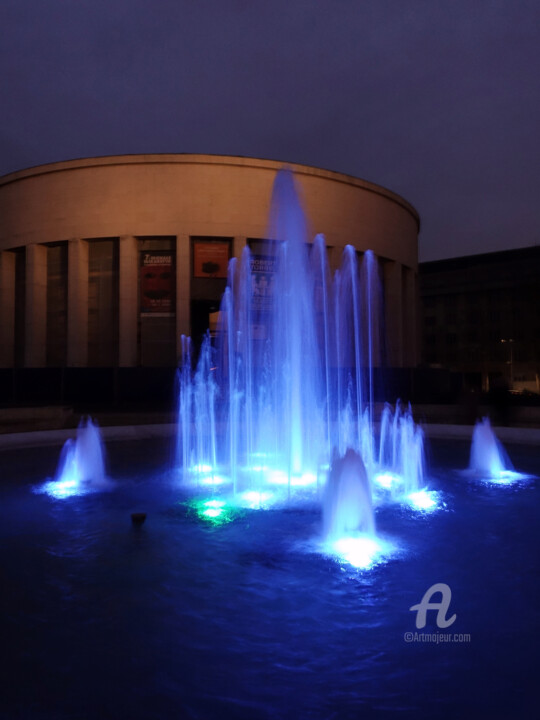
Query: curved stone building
[(105, 262)]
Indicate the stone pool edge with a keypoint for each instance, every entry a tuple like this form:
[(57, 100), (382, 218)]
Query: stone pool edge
[(41, 438)]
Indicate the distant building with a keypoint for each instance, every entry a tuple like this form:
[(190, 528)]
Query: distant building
[(481, 316), (105, 262)]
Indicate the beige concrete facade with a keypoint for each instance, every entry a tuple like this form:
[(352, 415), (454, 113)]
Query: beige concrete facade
[(181, 197)]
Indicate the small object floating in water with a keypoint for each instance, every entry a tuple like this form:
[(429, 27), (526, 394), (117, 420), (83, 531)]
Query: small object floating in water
[(138, 518)]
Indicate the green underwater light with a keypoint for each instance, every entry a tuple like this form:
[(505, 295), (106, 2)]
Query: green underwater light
[(214, 511)]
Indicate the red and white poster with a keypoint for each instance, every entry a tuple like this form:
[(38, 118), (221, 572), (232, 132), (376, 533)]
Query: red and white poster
[(157, 283)]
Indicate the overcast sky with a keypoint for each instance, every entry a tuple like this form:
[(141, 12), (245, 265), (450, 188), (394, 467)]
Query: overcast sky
[(438, 100)]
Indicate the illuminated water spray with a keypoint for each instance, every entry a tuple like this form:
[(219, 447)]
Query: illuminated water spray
[(289, 379), (81, 468), (489, 460)]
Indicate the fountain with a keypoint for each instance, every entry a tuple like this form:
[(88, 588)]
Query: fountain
[(81, 468), (347, 503), (489, 460), (288, 384)]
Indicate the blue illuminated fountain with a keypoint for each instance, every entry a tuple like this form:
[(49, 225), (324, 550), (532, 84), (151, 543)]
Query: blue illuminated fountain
[(489, 460), (81, 468), (288, 382)]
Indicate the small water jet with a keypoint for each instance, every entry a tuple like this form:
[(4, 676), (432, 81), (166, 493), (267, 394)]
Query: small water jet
[(399, 469), (81, 468), (489, 460), (347, 502), (487, 454)]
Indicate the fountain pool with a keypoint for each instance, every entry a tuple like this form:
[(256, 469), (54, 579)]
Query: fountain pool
[(248, 618)]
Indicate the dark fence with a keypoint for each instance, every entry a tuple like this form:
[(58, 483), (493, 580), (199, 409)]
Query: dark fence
[(154, 388), (107, 387)]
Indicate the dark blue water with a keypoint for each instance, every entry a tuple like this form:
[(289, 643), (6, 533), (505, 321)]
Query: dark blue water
[(182, 619)]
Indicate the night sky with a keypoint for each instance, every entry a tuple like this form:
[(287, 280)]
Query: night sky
[(438, 100)]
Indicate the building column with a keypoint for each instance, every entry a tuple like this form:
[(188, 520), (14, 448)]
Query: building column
[(239, 243), (393, 304), (410, 325), (128, 309), (183, 289), (35, 322), (7, 309), (77, 306)]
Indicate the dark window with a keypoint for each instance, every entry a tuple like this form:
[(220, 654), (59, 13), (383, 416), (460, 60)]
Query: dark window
[(103, 303), (209, 268), (157, 301), (57, 270)]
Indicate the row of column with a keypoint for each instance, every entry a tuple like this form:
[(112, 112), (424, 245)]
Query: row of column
[(35, 301), (400, 283)]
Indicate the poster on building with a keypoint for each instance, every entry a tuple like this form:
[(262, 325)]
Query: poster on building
[(210, 259), (263, 273), (157, 283)]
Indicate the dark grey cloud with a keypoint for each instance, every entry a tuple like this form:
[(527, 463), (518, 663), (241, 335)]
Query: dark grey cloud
[(434, 99)]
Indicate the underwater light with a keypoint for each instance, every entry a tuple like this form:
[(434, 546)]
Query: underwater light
[(258, 468), (71, 486), (61, 489), (213, 480), (426, 500), (506, 477), (305, 479), (201, 468), (255, 500), (214, 511), (362, 551), (215, 503), (388, 480), (280, 477)]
